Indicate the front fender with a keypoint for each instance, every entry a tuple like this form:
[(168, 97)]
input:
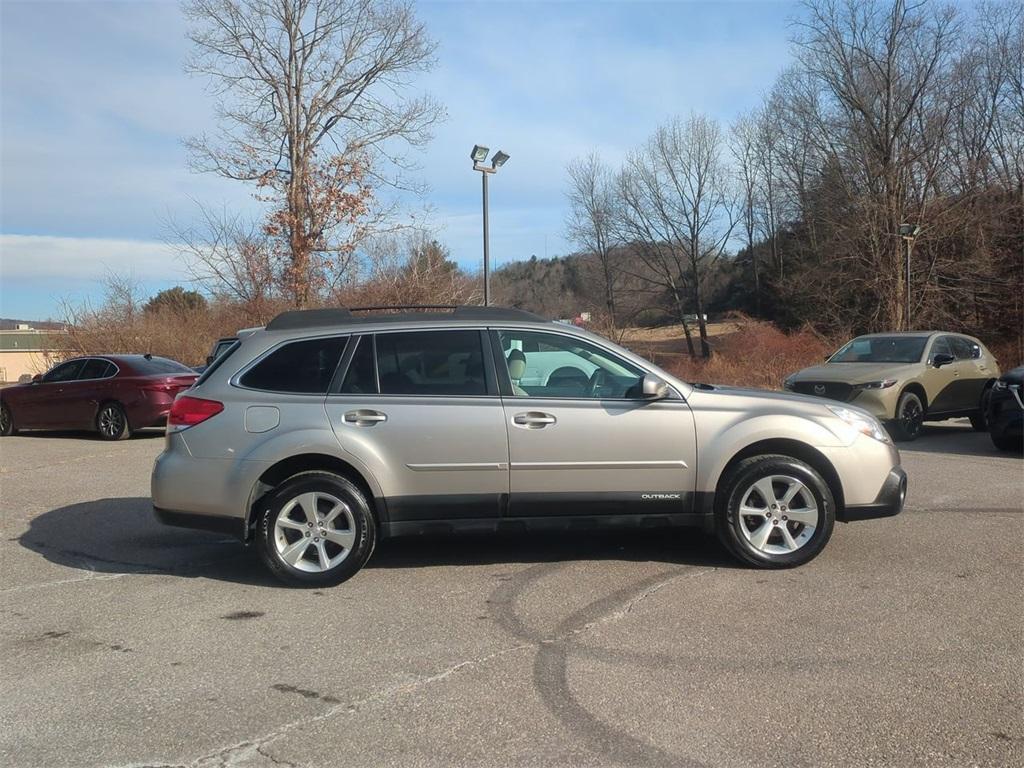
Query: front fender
[(723, 443)]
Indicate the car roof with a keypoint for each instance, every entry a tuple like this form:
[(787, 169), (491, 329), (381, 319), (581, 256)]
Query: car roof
[(303, 319), (909, 334)]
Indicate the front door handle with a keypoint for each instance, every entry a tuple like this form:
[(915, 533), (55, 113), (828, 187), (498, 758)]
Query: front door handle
[(533, 419), (364, 417)]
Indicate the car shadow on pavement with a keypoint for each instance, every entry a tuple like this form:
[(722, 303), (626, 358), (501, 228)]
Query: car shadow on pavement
[(147, 433), (122, 536), (953, 438)]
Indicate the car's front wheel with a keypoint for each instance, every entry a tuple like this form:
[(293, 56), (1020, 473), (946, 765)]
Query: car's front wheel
[(909, 418), (774, 511), (316, 529)]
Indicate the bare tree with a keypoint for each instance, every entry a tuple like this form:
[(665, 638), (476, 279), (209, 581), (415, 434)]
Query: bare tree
[(312, 106), (879, 69), (232, 259), (745, 143), (591, 220), (678, 209)]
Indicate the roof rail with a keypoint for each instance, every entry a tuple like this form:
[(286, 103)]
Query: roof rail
[(314, 318), (309, 318)]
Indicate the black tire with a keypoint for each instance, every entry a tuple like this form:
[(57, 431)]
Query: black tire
[(6, 421), (979, 420), (910, 415), (112, 422), (270, 539), (1008, 443), (735, 485)]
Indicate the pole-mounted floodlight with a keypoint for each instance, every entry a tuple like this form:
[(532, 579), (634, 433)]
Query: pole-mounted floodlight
[(478, 156), (908, 232)]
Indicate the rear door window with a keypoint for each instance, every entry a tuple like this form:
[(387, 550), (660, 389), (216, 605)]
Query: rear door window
[(97, 369), (299, 367), (431, 363), (964, 349)]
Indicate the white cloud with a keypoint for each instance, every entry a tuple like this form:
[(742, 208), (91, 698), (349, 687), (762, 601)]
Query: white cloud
[(27, 257)]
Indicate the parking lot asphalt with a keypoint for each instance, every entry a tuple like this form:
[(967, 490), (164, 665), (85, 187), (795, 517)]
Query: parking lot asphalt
[(125, 643)]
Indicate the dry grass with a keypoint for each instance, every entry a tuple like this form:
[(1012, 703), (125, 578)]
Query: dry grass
[(746, 352)]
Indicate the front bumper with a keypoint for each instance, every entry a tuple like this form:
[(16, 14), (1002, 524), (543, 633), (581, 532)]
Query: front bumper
[(888, 503)]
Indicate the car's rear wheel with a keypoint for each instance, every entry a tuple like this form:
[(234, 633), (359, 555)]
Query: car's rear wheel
[(316, 529), (112, 422), (979, 420), (6, 421), (774, 511), (909, 418)]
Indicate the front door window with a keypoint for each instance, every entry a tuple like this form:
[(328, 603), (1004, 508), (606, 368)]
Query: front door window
[(550, 365)]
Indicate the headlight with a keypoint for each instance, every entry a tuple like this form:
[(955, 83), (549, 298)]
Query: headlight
[(883, 384), (1000, 385), (862, 422)]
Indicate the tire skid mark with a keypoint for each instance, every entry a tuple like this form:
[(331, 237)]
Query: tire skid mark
[(550, 669)]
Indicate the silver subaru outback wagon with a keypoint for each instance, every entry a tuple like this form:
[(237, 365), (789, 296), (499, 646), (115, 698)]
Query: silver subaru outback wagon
[(327, 430)]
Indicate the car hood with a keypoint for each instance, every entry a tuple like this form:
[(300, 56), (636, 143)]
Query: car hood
[(768, 397), (856, 373)]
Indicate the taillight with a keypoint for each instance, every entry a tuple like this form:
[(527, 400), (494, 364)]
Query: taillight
[(188, 411)]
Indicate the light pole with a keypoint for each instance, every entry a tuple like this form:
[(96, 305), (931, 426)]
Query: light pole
[(907, 233), (479, 156)]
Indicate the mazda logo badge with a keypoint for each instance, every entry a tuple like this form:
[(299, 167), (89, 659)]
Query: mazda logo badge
[(819, 389)]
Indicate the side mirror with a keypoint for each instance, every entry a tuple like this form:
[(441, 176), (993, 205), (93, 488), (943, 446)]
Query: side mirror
[(654, 388), (942, 359), (209, 360), (37, 378)]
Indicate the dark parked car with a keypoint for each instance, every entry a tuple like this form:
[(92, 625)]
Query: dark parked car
[(219, 347), (1006, 411), (111, 394)]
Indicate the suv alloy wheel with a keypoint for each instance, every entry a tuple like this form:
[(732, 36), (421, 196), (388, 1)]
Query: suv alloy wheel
[(775, 512), (316, 529)]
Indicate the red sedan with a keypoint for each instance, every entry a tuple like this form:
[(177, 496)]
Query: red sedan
[(111, 394)]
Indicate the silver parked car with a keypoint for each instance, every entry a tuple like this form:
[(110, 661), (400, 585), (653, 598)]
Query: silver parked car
[(330, 429)]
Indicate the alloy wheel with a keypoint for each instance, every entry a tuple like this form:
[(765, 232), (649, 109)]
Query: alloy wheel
[(5, 420), (778, 514), (314, 532), (111, 421), (911, 416)]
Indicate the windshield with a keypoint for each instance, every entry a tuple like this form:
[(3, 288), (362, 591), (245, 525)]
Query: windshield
[(882, 349)]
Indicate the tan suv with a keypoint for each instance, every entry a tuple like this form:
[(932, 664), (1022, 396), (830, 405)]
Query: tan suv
[(331, 429), (906, 379)]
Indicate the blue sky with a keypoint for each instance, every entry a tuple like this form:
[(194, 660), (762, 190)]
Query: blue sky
[(94, 105)]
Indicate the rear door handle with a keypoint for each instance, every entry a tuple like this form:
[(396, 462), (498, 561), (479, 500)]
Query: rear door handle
[(533, 419), (364, 418)]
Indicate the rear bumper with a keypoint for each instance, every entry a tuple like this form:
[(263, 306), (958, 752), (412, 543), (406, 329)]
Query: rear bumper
[(888, 503)]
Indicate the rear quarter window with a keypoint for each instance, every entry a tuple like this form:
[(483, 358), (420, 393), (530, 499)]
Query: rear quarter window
[(299, 367)]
